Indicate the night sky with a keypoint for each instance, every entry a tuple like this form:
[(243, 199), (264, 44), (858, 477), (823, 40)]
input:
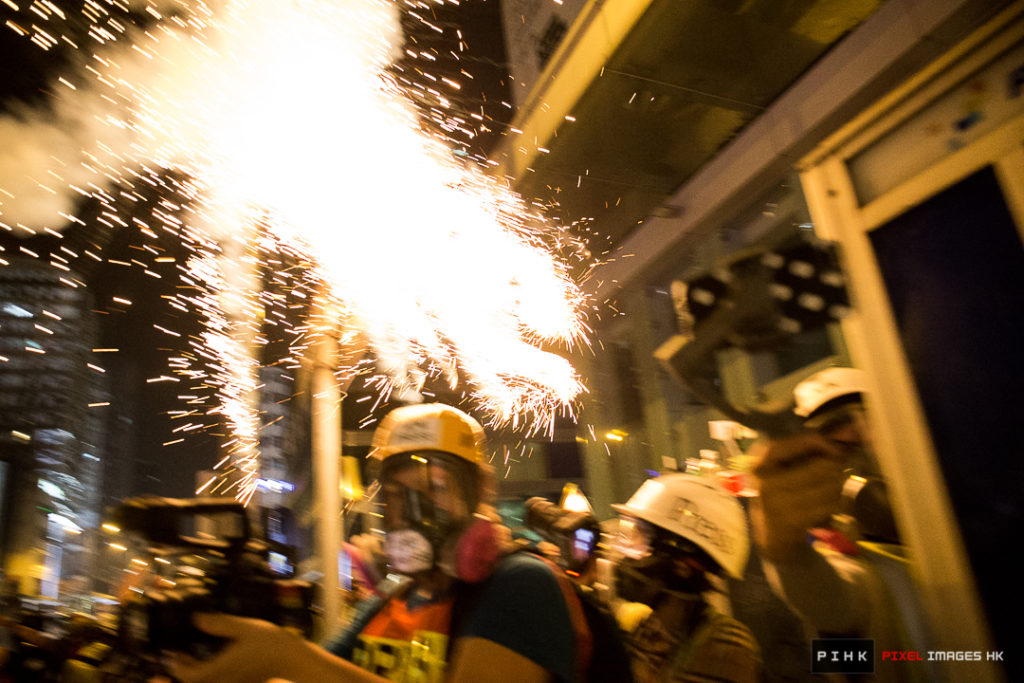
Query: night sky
[(137, 419)]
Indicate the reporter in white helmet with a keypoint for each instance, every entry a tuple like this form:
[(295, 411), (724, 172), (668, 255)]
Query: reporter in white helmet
[(464, 615), (675, 532)]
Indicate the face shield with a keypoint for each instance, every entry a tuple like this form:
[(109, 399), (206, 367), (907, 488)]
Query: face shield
[(653, 562), (422, 502), (633, 539)]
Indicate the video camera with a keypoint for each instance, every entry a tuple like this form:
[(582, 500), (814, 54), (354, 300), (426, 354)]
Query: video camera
[(215, 565), (576, 534)]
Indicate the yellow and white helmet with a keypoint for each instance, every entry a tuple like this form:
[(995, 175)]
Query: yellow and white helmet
[(698, 510), (429, 427)]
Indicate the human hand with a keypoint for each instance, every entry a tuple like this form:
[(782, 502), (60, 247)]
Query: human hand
[(800, 480), (257, 650)]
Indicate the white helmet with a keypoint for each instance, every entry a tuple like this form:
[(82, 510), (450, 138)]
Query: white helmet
[(698, 510), (827, 385)]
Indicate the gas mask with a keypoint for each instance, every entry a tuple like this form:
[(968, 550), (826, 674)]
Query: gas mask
[(866, 500), (654, 563), (427, 501), (408, 551), (415, 538), (865, 496)]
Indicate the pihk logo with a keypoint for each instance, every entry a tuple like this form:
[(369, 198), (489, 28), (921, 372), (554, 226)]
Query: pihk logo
[(842, 656)]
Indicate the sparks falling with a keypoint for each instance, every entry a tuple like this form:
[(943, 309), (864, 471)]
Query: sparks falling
[(289, 137)]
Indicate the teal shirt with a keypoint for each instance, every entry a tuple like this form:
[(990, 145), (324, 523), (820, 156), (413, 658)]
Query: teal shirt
[(522, 607)]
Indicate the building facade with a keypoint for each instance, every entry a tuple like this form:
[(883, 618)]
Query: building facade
[(52, 427)]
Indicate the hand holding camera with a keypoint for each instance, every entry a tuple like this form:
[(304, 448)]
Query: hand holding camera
[(209, 562)]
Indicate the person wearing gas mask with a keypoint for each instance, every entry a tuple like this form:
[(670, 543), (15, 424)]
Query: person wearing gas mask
[(829, 470), (825, 484), (464, 613), (675, 533)]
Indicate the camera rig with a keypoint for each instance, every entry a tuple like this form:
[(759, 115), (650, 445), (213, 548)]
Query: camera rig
[(576, 534), (216, 565)]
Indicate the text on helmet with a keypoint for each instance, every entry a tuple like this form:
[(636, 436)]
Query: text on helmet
[(687, 513)]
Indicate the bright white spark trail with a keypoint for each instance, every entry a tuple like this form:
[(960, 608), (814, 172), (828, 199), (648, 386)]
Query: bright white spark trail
[(292, 138)]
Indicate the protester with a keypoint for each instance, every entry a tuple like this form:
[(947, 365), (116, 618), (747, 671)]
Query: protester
[(676, 532), (825, 484), (464, 614)]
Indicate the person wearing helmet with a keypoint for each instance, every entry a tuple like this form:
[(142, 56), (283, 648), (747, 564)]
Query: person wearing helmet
[(463, 612), (675, 532), (828, 470), (825, 484)]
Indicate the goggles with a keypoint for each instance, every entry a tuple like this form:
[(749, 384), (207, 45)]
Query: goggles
[(640, 540), (428, 491), (836, 419), (845, 427), (634, 538)]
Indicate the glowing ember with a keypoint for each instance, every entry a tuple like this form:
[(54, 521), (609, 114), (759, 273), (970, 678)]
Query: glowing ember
[(293, 140)]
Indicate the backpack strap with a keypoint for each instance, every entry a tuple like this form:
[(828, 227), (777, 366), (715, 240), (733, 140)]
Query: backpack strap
[(583, 638), (343, 641), (467, 595)]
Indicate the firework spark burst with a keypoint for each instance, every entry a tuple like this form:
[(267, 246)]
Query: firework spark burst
[(289, 137)]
